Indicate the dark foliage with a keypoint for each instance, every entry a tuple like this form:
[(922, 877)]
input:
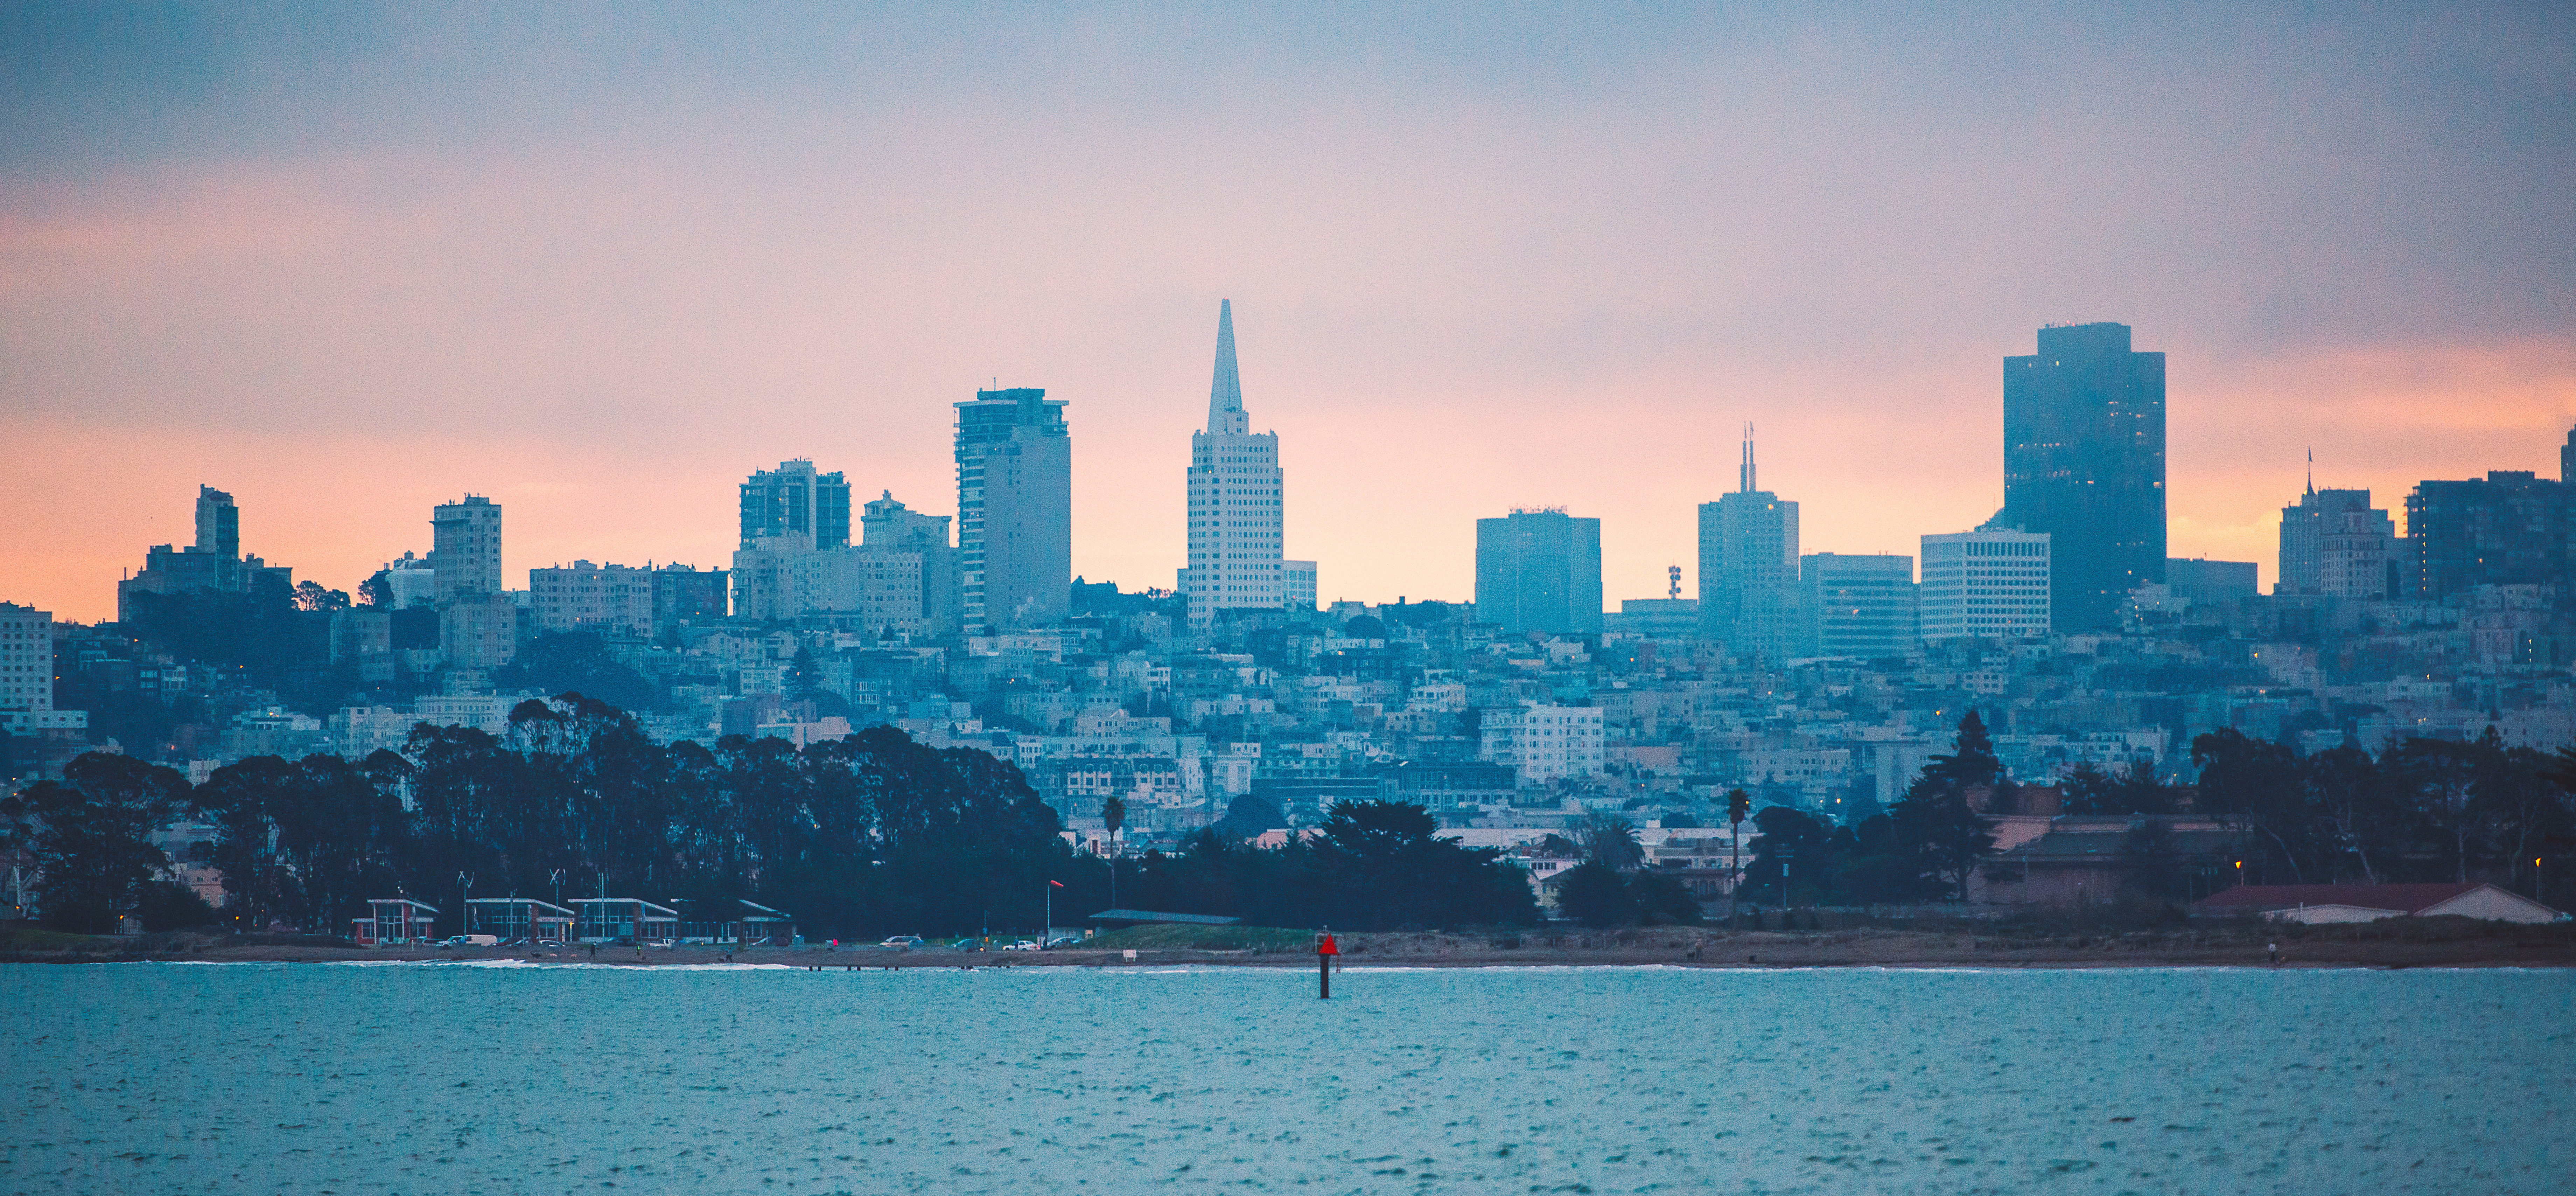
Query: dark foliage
[(1596, 896), (579, 662), (87, 834)]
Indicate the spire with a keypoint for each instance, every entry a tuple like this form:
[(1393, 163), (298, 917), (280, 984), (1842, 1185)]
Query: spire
[(1745, 473), (2312, 470), (1225, 395)]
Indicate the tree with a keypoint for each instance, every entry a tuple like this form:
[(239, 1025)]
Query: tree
[(310, 596), (2132, 790), (377, 591), (1596, 896), (1662, 899), (89, 836), (1611, 841), (1797, 857), (1113, 814), (2256, 786), (1934, 824), (2151, 861), (1249, 815)]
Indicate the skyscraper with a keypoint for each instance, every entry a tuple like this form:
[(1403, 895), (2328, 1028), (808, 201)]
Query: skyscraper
[(2084, 463), (1989, 584), (218, 524), (1539, 569), (1014, 510), (213, 562), (2335, 544), (1236, 499), (1748, 568), (465, 548), (1858, 606), (2509, 528), (794, 503)]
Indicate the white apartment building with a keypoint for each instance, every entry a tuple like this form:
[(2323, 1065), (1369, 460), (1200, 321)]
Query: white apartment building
[(465, 548), (1985, 584), (1543, 743), (610, 599), (27, 674), (1235, 501), (872, 587)]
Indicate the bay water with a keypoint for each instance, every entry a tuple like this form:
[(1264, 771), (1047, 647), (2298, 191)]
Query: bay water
[(506, 1078)]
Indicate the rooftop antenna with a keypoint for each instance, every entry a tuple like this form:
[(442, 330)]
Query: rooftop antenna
[(1745, 478), (1676, 590), (2312, 469)]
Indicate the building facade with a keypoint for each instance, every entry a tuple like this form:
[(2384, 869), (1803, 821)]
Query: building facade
[(2508, 528), (1297, 586), (613, 600), (1543, 743), (1748, 568), (2334, 543), (213, 563), (1539, 569), (1862, 607), (889, 526), (688, 594), (1986, 585), (1014, 511), (1236, 500), (2206, 581), (465, 548), (795, 505), (2084, 463)]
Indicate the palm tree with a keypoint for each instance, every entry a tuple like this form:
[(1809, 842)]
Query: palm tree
[(1113, 812)]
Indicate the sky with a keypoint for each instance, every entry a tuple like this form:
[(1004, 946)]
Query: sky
[(599, 263)]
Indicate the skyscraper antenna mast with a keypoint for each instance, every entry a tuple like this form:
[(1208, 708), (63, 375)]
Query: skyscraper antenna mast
[(1745, 475)]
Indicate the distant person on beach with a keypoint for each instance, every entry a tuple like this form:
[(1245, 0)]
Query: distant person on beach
[(2275, 949)]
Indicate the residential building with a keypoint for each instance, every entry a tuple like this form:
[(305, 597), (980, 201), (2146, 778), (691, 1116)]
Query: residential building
[(1748, 568), (1860, 607), (2084, 463), (465, 548), (214, 562), (613, 600), (687, 594), (888, 526), (27, 674), (796, 505), (1986, 584), (1014, 510), (1656, 618), (2335, 544), (1539, 569), (410, 582), (1543, 743), (1297, 586), (2207, 581), (2509, 528), (480, 631), (1236, 499)]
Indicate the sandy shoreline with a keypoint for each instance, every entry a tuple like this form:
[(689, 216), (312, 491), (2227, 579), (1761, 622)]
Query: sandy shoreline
[(2443, 946)]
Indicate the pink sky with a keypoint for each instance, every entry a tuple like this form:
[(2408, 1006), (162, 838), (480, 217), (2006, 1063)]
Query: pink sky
[(1458, 287)]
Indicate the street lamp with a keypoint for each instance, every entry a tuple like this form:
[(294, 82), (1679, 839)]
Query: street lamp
[(1048, 936), (465, 907)]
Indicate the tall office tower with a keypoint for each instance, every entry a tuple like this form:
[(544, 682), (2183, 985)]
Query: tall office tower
[(1748, 568), (2333, 542), (1014, 511), (1986, 584), (2567, 460), (465, 548), (1858, 606), (1235, 499), (2508, 528), (887, 526), (2084, 462), (218, 523), (1539, 569), (796, 505)]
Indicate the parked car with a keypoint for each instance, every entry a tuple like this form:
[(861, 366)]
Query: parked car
[(1022, 945), (547, 945), (1067, 940), (902, 942)]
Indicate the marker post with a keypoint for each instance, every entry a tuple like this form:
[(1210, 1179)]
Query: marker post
[(1324, 953)]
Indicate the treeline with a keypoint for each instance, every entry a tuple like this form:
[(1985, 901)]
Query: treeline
[(856, 838), (2424, 810)]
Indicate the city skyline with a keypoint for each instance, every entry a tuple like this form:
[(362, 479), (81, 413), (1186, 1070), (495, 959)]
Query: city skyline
[(534, 298)]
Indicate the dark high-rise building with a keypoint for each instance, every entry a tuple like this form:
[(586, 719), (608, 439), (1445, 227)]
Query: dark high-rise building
[(1539, 570), (2567, 460), (1014, 510), (796, 504), (1748, 568), (2084, 462), (2509, 528), (218, 523), (213, 562)]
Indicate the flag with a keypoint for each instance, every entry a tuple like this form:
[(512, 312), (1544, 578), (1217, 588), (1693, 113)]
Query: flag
[(1057, 883)]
